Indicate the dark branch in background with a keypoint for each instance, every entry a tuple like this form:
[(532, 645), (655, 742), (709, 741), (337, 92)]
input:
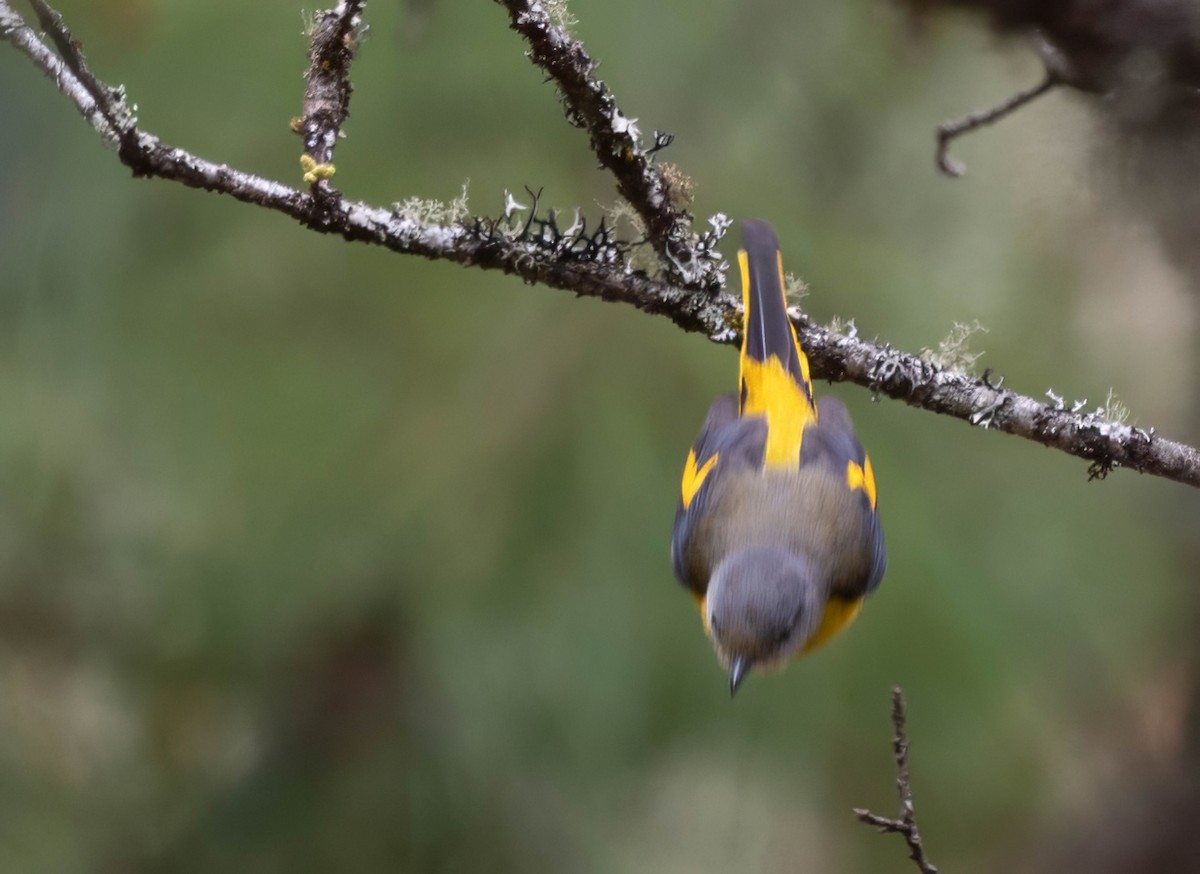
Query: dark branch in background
[(538, 251), (692, 261), (951, 130), (1132, 47), (335, 34), (1141, 56), (907, 823)]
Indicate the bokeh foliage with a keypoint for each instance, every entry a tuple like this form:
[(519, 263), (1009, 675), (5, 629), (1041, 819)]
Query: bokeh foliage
[(316, 558)]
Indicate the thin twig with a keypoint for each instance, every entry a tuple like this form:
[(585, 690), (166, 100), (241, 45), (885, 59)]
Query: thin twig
[(92, 107), (950, 130), (491, 244), (691, 260), (335, 35), (907, 823)]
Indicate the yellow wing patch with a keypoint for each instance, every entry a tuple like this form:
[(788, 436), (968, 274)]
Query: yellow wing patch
[(693, 477), (839, 613), (769, 390), (862, 478), (702, 606)]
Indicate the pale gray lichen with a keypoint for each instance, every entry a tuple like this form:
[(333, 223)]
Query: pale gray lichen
[(795, 289), (435, 211), (558, 14), (627, 224), (952, 352), (840, 328), (1115, 411), (511, 206), (310, 20), (623, 124)]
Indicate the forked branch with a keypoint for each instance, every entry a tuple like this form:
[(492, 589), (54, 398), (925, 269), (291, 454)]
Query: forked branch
[(948, 131), (906, 823)]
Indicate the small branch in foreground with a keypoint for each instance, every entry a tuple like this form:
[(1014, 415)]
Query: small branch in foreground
[(907, 823), (544, 258), (948, 131), (327, 92), (692, 261)]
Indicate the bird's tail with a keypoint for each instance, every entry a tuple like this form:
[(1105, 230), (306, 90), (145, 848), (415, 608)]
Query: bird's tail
[(783, 390)]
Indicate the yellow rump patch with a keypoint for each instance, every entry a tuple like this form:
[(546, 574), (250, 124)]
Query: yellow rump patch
[(838, 614), (769, 390), (693, 478), (862, 478)]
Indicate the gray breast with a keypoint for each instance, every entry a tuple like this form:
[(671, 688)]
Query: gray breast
[(809, 511)]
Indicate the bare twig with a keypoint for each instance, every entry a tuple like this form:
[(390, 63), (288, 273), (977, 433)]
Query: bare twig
[(691, 260), (539, 253), (71, 78), (907, 823), (327, 95), (52, 23), (950, 130)]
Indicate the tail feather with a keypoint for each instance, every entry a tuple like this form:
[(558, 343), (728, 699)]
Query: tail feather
[(767, 329), (774, 370)]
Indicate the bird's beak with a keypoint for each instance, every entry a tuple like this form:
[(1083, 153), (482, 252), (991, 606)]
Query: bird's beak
[(738, 669)]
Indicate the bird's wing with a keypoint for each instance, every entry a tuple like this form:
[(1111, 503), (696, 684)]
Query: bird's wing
[(831, 443), (726, 443)]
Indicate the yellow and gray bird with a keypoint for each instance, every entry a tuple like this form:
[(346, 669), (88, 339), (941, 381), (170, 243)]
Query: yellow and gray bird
[(777, 532)]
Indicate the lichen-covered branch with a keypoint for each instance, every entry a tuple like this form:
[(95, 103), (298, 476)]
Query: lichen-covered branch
[(538, 251), (70, 76), (327, 90), (691, 260), (1087, 434), (906, 824)]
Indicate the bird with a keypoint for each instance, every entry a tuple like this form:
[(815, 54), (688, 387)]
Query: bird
[(777, 534)]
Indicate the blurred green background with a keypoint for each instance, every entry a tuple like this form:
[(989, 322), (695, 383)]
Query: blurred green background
[(318, 558)]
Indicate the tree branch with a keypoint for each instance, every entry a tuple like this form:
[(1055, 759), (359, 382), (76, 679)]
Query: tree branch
[(691, 260), (592, 265), (950, 130), (907, 823), (92, 105), (327, 95)]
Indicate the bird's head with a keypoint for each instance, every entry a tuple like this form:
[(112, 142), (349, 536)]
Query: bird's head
[(762, 605)]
